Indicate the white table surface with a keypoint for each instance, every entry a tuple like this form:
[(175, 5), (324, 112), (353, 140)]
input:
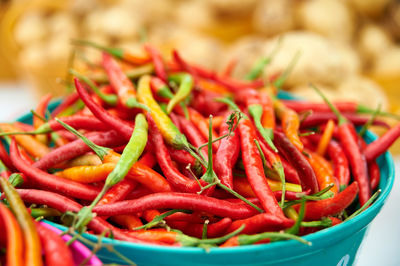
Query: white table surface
[(381, 246)]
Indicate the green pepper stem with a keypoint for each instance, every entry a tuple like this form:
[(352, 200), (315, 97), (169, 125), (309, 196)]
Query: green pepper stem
[(99, 150), (256, 111), (193, 241), (296, 227), (110, 99), (366, 110), (119, 53), (325, 222)]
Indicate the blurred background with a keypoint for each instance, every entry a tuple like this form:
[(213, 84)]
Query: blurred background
[(349, 48)]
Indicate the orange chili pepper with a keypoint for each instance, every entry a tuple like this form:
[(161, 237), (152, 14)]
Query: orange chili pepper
[(326, 137), (268, 116), (149, 215), (158, 235), (231, 242), (211, 86), (15, 242), (128, 221), (323, 175), (202, 124), (290, 123), (29, 143)]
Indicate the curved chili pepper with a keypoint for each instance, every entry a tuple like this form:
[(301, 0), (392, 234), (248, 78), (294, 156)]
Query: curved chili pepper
[(185, 82), (110, 99), (315, 210), (255, 170), (202, 124), (122, 127), (290, 123), (78, 147), (68, 101), (13, 237), (297, 160), (56, 252), (316, 119), (174, 177), (226, 156), (157, 62), (353, 152), (326, 137), (176, 200), (5, 158), (261, 223), (120, 82), (379, 146), (127, 221), (32, 247), (160, 88), (118, 192), (117, 52), (64, 204), (52, 182), (168, 130), (324, 178)]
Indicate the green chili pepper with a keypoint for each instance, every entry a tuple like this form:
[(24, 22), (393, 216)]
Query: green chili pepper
[(185, 82), (44, 212), (110, 99)]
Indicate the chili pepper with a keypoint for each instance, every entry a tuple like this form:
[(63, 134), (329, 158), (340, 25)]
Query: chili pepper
[(379, 146), (340, 162), (5, 158), (185, 82), (130, 222), (159, 235), (174, 177), (290, 123), (315, 210), (316, 119), (254, 169), (228, 69), (32, 247), (44, 212), (150, 215), (78, 147), (118, 192), (202, 124), (181, 156), (291, 174), (13, 236), (192, 133), (64, 204), (157, 62), (213, 230), (68, 101), (345, 107), (261, 223), (297, 160), (120, 82), (352, 150), (168, 130), (122, 127), (243, 187), (131, 153), (268, 115), (226, 156), (132, 73), (118, 53), (110, 99), (322, 174), (211, 86), (29, 143), (160, 88), (374, 174), (56, 252), (185, 217), (326, 137), (41, 110), (176, 200), (52, 182)]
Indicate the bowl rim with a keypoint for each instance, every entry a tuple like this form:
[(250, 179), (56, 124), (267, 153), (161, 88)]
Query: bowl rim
[(359, 222)]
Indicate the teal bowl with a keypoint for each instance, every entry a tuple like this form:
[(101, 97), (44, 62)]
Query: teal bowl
[(337, 245)]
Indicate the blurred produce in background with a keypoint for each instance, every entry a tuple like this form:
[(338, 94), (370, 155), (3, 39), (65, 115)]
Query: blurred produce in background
[(349, 48)]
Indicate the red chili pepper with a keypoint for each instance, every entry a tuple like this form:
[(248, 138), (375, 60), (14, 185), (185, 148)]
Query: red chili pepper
[(76, 121), (291, 174), (119, 125), (56, 252), (174, 177), (158, 63), (226, 156), (379, 146), (78, 147), (340, 162), (261, 223), (186, 217), (52, 182), (202, 124), (181, 156), (192, 133), (64, 204), (5, 158), (213, 230), (68, 101), (315, 210), (316, 119), (176, 200), (118, 192), (297, 160), (255, 169)]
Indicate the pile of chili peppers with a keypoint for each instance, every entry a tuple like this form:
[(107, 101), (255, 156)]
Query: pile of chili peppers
[(166, 152)]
